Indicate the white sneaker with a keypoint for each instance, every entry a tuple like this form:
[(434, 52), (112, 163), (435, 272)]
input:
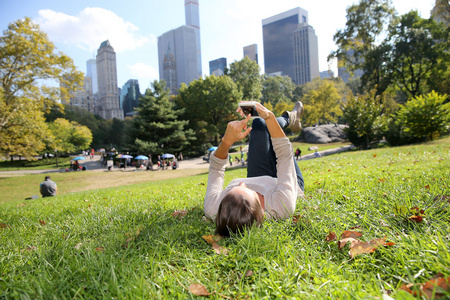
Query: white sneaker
[(295, 116)]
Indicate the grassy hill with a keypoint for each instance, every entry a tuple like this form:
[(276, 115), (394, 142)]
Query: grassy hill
[(129, 242)]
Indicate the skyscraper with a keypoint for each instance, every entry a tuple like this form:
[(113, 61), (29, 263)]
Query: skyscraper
[(107, 105), (179, 53), (251, 51), (217, 66), (290, 46), (177, 57), (83, 98), (91, 67), (129, 97), (193, 20)]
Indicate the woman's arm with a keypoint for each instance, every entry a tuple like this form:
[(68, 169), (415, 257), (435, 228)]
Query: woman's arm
[(236, 131)]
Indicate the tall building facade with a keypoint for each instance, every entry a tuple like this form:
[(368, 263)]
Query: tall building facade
[(306, 54), (107, 105), (179, 52), (177, 56), (191, 11), (290, 46), (83, 98), (129, 97), (217, 66), (251, 51), (91, 67)]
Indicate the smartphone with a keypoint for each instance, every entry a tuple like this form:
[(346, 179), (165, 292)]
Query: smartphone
[(249, 108)]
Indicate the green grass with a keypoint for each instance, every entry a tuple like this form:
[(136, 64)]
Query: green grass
[(39, 164), (124, 243)]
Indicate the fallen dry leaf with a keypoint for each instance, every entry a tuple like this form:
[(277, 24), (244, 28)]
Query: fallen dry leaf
[(3, 225), (179, 214), (248, 273), (22, 204), (438, 285), (348, 233), (350, 240), (331, 237), (375, 155), (42, 222), (100, 249), (211, 238), (417, 219), (219, 249), (365, 247), (198, 290)]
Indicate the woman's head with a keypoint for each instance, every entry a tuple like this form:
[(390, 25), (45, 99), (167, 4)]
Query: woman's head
[(239, 209)]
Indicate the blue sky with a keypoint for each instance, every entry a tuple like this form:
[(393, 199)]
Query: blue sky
[(78, 27)]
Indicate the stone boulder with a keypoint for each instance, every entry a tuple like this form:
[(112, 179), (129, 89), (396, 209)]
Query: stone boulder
[(323, 134)]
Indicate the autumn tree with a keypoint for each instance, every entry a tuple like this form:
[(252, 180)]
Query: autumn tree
[(209, 104), (245, 73), (157, 127), (322, 105), (29, 69)]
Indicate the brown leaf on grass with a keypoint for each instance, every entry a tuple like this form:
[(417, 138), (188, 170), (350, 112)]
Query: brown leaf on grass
[(198, 289), (131, 237), (21, 204), (99, 249), (417, 219), (248, 273), (353, 242), (179, 214), (42, 222), (3, 225), (375, 155), (442, 198), (352, 234), (438, 286), (365, 247), (427, 186), (211, 238), (331, 237), (219, 249), (382, 179)]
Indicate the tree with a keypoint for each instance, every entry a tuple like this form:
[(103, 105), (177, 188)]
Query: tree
[(245, 73), (425, 116), (359, 45), (276, 89), (69, 136), (322, 104), (27, 65), (419, 48), (209, 104), (157, 127), (365, 119)]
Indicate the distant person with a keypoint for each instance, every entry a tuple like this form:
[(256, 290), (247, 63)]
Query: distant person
[(317, 154), (48, 187), (230, 160), (298, 153)]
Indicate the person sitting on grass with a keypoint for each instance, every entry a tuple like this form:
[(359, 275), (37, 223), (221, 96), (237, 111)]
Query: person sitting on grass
[(48, 187), (274, 180)]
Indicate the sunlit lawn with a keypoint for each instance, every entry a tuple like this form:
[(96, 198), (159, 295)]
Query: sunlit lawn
[(123, 242)]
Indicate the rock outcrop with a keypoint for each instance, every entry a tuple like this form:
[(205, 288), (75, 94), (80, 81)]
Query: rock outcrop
[(322, 134)]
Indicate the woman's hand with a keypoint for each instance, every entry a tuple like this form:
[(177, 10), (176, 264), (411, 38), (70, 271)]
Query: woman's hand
[(236, 131)]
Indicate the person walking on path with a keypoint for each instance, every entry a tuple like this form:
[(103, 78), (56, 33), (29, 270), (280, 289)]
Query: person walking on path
[(48, 188), (274, 180), (297, 153)]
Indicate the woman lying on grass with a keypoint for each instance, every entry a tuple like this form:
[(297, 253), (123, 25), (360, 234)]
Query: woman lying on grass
[(274, 180)]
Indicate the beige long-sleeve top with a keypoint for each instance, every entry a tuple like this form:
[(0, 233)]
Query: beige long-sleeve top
[(280, 194)]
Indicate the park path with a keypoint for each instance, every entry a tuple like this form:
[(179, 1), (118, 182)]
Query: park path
[(93, 165)]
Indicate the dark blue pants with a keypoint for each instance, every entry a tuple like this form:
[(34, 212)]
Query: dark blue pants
[(261, 157)]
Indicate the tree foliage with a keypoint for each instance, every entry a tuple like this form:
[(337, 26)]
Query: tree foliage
[(322, 105), (420, 47), (425, 116), (276, 89), (245, 73), (365, 119), (157, 128), (28, 68), (69, 136), (209, 104)]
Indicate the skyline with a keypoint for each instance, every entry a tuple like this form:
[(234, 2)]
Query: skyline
[(226, 27)]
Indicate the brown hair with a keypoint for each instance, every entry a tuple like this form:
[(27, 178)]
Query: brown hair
[(236, 213)]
